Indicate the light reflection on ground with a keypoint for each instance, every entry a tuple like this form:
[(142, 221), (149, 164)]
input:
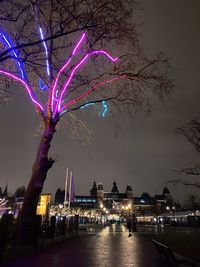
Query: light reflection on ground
[(107, 247), (113, 247)]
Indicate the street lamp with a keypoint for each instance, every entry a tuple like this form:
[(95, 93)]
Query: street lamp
[(172, 209)]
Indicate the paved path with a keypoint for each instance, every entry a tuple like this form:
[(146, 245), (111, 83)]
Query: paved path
[(110, 247)]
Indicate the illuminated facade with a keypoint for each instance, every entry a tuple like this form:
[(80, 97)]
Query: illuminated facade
[(119, 202)]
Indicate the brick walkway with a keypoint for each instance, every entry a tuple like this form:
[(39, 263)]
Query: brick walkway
[(110, 247)]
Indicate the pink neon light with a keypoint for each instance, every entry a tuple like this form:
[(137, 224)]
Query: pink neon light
[(89, 91), (28, 89), (78, 44), (98, 52), (55, 83), (68, 81)]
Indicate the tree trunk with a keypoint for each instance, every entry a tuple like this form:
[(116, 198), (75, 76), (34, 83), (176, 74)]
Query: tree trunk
[(39, 171), (28, 223)]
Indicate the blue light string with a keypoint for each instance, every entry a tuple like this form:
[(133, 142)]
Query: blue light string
[(105, 108), (104, 105), (87, 105), (46, 50), (42, 86), (7, 41)]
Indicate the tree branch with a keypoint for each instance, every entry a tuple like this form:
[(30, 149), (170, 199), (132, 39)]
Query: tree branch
[(180, 181), (88, 92), (46, 39), (29, 90)]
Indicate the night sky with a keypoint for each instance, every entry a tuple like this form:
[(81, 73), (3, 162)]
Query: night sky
[(141, 151)]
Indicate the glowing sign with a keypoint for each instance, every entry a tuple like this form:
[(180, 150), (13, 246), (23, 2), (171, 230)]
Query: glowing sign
[(44, 202)]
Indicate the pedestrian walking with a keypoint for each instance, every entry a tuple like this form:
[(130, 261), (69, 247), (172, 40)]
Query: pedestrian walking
[(129, 226)]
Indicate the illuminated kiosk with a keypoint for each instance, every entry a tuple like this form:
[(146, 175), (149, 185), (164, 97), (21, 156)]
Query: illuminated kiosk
[(43, 205)]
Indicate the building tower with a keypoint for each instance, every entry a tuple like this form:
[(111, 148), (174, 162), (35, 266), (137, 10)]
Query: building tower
[(129, 192), (5, 192), (100, 192), (114, 188), (167, 195), (93, 191)]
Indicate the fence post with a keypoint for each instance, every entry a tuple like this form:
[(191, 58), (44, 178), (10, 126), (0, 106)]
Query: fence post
[(5, 225), (37, 230), (76, 224), (52, 228), (64, 227)]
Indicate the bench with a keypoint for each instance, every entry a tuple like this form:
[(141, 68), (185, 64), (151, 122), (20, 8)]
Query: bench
[(172, 258)]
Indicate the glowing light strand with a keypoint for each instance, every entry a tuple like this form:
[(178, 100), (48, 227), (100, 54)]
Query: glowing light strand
[(28, 89), (77, 66), (9, 44), (105, 108), (53, 98), (89, 91), (63, 90), (104, 105), (42, 86), (87, 105), (46, 50), (55, 83)]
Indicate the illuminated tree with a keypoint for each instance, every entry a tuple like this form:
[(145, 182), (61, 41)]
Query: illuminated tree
[(44, 58)]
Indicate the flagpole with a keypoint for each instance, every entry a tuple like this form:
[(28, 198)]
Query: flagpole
[(66, 182), (70, 189)]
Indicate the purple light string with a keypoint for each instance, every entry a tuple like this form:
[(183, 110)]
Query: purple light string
[(56, 107), (77, 66), (55, 83), (28, 89)]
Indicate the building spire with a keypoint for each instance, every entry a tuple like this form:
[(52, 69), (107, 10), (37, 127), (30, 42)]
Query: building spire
[(5, 193), (93, 191), (114, 188)]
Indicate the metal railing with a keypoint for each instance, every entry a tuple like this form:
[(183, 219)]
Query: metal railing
[(15, 241)]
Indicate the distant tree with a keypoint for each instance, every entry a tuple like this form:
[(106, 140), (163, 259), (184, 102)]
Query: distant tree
[(191, 131), (43, 53), (192, 202), (20, 191)]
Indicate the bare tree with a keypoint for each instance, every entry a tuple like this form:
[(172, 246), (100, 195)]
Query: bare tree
[(50, 41), (191, 131)]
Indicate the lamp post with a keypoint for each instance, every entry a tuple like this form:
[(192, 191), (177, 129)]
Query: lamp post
[(101, 209), (172, 210), (129, 210)]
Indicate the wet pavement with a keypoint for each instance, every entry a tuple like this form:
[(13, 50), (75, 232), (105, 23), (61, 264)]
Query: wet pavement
[(110, 247)]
